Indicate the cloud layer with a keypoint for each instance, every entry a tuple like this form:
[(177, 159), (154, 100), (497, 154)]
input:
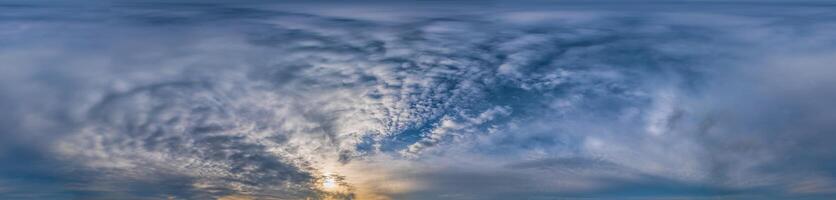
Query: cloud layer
[(437, 101)]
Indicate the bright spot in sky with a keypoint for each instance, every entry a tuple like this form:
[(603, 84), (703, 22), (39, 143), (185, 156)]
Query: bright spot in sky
[(329, 183)]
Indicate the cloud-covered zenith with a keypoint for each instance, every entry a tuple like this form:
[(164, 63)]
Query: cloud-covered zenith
[(429, 100)]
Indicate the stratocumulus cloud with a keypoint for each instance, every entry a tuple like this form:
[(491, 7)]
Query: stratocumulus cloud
[(537, 100)]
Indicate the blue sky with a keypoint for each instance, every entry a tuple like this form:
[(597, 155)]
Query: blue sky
[(418, 100)]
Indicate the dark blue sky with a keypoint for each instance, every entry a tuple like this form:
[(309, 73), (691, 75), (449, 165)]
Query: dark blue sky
[(418, 100)]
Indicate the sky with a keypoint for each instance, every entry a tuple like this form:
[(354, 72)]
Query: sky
[(417, 100)]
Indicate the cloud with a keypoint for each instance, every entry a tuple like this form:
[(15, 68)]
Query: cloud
[(232, 102)]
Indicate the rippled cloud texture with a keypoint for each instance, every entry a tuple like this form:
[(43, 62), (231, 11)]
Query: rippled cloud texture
[(431, 100)]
